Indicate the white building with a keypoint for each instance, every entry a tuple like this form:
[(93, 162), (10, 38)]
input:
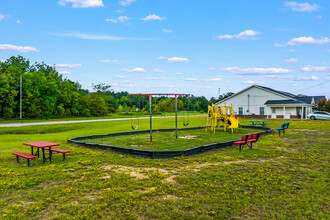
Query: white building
[(264, 102)]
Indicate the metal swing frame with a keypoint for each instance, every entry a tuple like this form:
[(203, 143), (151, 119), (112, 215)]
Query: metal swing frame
[(160, 94)]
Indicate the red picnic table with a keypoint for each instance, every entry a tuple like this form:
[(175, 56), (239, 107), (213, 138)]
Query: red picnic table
[(42, 145)]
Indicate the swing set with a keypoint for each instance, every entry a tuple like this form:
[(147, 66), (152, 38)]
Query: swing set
[(136, 126)]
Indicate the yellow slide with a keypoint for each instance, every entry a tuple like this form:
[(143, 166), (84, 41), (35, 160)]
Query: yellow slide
[(233, 123)]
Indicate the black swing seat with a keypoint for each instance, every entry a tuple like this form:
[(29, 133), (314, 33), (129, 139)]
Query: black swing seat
[(185, 124), (135, 128)]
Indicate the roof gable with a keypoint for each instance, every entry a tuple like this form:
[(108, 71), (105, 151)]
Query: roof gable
[(279, 93)]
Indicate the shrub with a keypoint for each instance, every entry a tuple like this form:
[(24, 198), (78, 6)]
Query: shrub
[(86, 112)]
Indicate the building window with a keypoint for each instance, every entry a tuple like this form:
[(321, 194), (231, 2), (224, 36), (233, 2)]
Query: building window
[(262, 110), (274, 110), (240, 110)]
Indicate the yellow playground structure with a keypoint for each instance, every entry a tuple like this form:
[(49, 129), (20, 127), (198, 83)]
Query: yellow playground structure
[(217, 113)]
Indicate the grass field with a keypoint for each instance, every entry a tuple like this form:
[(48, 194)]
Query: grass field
[(109, 116), (166, 141), (282, 177)]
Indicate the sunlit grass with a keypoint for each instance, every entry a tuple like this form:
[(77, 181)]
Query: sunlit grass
[(281, 177)]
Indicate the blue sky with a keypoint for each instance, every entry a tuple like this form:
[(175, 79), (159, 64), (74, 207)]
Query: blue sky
[(180, 46)]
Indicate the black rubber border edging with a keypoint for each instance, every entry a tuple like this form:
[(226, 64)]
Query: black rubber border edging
[(157, 154)]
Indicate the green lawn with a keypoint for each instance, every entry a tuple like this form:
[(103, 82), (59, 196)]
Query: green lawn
[(166, 141), (109, 116), (282, 177)]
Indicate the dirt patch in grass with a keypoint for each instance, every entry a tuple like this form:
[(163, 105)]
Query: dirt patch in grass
[(287, 149), (170, 197), (139, 173), (146, 190), (188, 137), (107, 176)]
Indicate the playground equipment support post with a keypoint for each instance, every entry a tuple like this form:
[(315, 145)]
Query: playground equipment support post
[(150, 118)]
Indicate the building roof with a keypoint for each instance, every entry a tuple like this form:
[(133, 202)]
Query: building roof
[(284, 102), (293, 99), (278, 92)]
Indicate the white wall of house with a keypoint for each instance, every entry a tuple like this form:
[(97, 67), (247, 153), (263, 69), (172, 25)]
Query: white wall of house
[(252, 99)]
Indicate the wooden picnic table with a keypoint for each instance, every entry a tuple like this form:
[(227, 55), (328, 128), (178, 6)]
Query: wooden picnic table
[(42, 145), (259, 122)]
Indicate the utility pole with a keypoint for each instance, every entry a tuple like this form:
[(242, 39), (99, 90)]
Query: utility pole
[(20, 98), (218, 93)]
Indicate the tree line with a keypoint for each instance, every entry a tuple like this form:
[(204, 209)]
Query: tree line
[(47, 94)]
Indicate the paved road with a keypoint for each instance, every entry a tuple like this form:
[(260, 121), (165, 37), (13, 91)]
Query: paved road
[(77, 121)]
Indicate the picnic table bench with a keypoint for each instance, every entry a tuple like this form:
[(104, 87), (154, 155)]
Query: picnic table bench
[(24, 155), (44, 146), (258, 123), (60, 151), (282, 128), (248, 139)]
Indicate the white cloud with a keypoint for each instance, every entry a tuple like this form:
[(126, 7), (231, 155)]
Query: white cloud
[(135, 70), (247, 33), (126, 2), (2, 17), (211, 68), (302, 7), (109, 61), (167, 30), (292, 60), (256, 71), (308, 40), (111, 20), (191, 79), (81, 3), (153, 78), (131, 85), (64, 72), (162, 58), (152, 18), (123, 19), (306, 78), (249, 82), (119, 11), (114, 84), (291, 50), (253, 82), (172, 86), (279, 45), (68, 66), (18, 21), (19, 49), (119, 76), (178, 73), (328, 50), (177, 60), (301, 78), (310, 68), (216, 79), (87, 36), (279, 77), (327, 78), (226, 36), (319, 17), (243, 35), (156, 70)]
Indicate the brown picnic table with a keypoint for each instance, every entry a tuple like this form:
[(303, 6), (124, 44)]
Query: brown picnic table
[(42, 145)]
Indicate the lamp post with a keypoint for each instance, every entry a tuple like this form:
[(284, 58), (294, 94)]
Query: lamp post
[(20, 98)]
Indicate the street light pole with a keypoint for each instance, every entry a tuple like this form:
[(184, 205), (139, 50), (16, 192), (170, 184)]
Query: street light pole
[(20, 98)]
